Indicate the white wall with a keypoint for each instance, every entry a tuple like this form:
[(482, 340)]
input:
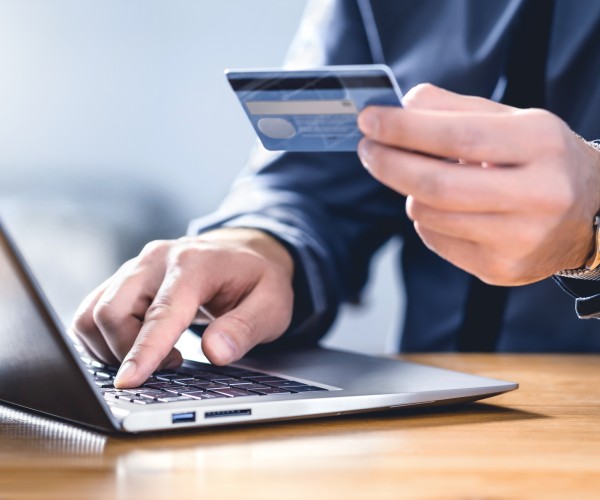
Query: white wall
[(117, 126)]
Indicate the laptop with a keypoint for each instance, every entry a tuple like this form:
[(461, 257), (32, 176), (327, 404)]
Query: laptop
[(42, 370)]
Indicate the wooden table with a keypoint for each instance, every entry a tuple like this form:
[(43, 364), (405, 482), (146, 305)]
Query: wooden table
[(541, 441)]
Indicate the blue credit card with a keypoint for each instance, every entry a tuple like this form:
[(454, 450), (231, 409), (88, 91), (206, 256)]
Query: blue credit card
[(313, 109)]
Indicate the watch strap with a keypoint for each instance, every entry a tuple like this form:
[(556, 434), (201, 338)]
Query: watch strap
[(591, 269)]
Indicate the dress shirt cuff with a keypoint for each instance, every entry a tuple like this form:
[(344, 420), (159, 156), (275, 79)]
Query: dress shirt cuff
[(586, 294)]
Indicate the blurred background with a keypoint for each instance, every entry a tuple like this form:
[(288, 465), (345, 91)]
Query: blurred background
[(117, 127)]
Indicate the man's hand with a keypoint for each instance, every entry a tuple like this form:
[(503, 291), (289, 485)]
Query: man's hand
[(242, 276), (508, 195)]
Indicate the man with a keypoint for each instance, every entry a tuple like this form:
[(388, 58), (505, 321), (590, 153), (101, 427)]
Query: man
[(473, 186)]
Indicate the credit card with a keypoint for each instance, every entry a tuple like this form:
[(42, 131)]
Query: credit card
[(312, 109)]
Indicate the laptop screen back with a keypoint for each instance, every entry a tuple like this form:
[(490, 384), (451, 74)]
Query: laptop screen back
[(38, 370)]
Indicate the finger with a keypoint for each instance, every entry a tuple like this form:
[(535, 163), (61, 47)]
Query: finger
[(87, 332), (462, 253), (486, 262), (499, 138), (477, 227), (428, 96), (169, 315), (119, 313), (438, 183), (261, 317), (173, 360), (120, 310), (91, 351)]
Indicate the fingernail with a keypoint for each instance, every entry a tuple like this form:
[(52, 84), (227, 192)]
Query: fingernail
[(367, 122), (225, 347), (364, 153), (126, 372)]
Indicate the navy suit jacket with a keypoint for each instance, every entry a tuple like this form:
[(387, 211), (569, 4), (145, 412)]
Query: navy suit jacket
[(333, 216)]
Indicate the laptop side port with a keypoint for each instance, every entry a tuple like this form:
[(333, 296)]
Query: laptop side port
[(227, 413), (183, 418)]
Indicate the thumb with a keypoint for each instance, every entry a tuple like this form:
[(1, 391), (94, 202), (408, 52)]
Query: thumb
[(261, 317), (428, 96)]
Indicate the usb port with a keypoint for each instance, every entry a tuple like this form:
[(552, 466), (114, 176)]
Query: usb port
[(183, 418)]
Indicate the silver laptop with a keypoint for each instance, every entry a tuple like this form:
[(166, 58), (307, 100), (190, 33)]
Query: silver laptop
[(42, 370)]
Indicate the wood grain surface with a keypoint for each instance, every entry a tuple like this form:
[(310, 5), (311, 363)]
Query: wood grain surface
[(541, 441)]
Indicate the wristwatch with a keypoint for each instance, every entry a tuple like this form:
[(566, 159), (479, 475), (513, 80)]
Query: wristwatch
[(591, 269)]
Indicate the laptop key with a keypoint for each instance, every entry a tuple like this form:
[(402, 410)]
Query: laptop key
[(305, 388), (271, 390), (285, 383), (142, 390), (204, 395), (159, 385), (265, 379), (172, 398), (232, 392), (225, 380), (184, 381), (183, 390), (168, 378), (104, 384), (207, 385), (252, 387), (207, 376), (251, 374), (154, 395)]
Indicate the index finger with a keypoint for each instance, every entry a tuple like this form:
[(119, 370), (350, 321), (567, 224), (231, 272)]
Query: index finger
[(500, 138), (170, 313), (440, 184)]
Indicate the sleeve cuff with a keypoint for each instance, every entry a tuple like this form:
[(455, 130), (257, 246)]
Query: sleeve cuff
[(586, 294)]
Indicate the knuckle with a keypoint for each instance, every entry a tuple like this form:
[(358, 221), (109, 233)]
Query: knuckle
[(83, 323), (185, 255), (554, 135), (419, 93), (154, 249), (159, 310), (464, 141), (106, 316), (189, 254), (244, 327)]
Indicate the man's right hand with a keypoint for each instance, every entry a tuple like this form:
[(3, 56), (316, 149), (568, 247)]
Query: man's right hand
[(242, 276)]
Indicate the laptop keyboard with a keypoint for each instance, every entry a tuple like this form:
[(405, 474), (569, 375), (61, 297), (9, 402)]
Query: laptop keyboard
[(204, 382)]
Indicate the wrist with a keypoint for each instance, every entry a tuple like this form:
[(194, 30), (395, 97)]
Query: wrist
[(588, 264), (591, 267)]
